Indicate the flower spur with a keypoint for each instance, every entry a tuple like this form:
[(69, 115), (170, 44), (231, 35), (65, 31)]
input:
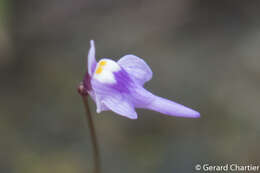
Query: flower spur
[(118, 86)]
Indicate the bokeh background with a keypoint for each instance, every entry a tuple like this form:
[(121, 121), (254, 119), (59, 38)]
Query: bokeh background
[(204, 54)]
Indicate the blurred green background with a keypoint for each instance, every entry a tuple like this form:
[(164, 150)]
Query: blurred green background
[(204, 54)]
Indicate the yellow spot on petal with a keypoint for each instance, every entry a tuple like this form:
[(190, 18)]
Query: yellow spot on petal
[(99, 70), (102, 63), (100, 66)]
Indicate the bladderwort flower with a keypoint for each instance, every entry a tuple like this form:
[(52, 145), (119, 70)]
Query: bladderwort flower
[(118, 86)]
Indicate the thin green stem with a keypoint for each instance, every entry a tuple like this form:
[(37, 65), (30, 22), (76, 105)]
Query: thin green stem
[(96, 157)]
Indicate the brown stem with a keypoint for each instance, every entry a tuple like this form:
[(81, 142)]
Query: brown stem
[(97, 168)]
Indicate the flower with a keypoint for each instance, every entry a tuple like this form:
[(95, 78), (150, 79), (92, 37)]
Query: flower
[(118, 86)]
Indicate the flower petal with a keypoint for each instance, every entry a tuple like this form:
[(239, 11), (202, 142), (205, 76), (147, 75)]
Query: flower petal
[(120, 105), (97, 99), (136, 67), (115, 98), (91, 58), (169, 107), (145, 99)]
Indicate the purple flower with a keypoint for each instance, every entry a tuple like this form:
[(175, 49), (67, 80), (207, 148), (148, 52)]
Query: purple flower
[(118, 86)]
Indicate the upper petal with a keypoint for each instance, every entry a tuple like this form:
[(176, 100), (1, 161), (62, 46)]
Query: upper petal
[(137, 68), (91, 58)]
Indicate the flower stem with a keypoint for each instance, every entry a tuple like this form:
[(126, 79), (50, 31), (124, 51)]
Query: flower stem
[(97, 168)]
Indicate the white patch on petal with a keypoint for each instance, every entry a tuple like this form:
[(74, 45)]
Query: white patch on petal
[(104, 71)]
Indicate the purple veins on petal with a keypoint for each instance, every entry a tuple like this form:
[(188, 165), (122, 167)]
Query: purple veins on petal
[(120, 105), (123, 82)]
